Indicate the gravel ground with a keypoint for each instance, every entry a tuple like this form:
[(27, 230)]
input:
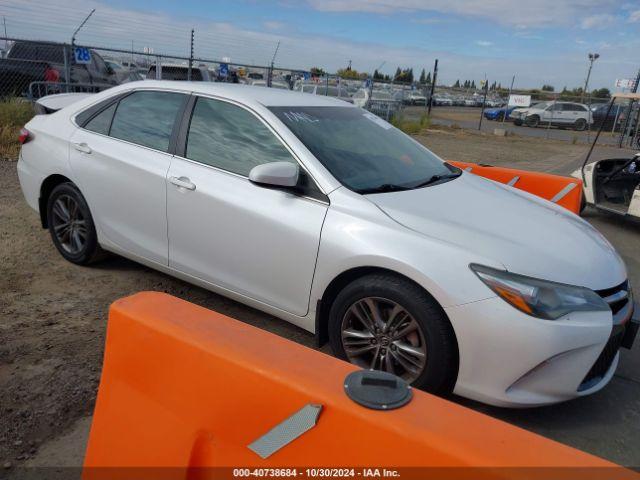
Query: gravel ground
[(53, 317)]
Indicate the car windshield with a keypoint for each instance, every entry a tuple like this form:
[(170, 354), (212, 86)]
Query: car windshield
[(363, 152)]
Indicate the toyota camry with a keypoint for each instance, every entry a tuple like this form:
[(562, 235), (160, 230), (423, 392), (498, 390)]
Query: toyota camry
[(320, 213)]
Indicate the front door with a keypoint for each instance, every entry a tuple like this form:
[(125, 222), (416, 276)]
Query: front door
[(254, 241)]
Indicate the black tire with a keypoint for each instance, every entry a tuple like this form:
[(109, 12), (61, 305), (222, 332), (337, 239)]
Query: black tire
[(440, 370), (580, 125), (81, 252), (533, 121), (517, 122)]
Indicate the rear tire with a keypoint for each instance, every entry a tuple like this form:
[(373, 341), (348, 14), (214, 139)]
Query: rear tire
[(517, 123), (416, 342), (71, 225)]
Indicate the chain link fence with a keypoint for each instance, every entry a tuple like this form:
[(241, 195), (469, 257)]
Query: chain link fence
[(32, 69)]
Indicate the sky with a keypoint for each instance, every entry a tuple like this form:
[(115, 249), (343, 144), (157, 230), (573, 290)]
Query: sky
[(538, 41)]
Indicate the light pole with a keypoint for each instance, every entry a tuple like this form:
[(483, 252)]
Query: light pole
[(592, 58)]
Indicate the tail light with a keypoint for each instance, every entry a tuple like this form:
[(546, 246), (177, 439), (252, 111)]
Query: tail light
[(24, 136)]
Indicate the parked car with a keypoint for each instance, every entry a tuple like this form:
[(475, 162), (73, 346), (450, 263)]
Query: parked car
[(324, 215), (499, 114), (560, 114), (321, 88), (618, 112), (416, 98), (123, 74), (28, 62), (170, 71), (274, 84)]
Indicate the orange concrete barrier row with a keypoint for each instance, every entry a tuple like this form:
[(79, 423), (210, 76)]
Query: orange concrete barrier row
[(565, 191), (184, 389)]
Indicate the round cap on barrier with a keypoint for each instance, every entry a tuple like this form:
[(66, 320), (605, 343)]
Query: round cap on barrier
[(377, 390)]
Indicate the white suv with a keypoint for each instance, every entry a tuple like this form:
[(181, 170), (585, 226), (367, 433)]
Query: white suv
[(560, 114)]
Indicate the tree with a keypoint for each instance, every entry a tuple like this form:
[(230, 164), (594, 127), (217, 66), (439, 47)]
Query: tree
[(601, 93), (428, 81), (473, 84), (548, 88), (348, 73), (457, 84), (317, 72), (398, 73), (422, 77)]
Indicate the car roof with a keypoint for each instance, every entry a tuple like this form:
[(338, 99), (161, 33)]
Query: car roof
[(247, 94)]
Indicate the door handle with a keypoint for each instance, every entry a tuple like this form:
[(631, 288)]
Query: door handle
[(82, 147), (183, 182)]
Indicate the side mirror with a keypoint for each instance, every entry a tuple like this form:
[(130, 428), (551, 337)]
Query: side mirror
[(275, 174)]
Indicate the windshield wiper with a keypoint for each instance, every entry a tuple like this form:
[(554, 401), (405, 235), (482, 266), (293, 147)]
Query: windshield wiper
[(384, 188), (437, 179)]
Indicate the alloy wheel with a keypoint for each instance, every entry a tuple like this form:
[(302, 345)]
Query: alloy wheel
[(69, 224), (380, 334)]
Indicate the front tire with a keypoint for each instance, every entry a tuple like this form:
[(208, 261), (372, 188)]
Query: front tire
[(533, 121), (386, 322), (71, 225), (580, 125)]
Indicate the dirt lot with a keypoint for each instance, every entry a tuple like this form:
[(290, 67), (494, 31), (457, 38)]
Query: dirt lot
[(53, 318)]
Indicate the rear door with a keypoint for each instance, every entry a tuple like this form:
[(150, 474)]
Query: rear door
[(120, 160), (258, 242)]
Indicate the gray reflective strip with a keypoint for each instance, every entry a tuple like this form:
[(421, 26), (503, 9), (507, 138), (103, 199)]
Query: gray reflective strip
[(468, 169), (561, 194), (513, 181), (287, 431)]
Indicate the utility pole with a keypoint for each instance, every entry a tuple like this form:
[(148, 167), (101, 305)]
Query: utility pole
[(273, 59), (506, 110), (190, 56), (592, 58), (6, 44), (433, 85), (484, 101)]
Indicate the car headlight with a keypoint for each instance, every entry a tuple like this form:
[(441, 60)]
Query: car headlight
[(539, 298)]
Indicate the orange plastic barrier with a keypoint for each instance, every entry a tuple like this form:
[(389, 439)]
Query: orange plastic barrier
[(187, 388), (544, 185)]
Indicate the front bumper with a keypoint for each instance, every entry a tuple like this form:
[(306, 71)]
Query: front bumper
[(510, 359)]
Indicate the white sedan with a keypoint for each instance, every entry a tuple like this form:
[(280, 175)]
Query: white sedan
[(322, 214)]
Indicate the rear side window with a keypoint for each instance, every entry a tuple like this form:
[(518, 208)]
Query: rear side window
[(35, 51), (177, 73), (231, 138), (147, 118), (102, 122)]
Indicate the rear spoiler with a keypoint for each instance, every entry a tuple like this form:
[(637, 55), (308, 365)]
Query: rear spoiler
[(52, 103)]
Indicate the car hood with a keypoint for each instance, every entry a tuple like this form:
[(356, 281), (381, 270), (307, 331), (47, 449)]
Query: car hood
[(528, 235)]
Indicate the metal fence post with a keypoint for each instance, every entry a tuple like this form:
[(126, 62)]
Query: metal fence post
[(433, 86), (67, 67)]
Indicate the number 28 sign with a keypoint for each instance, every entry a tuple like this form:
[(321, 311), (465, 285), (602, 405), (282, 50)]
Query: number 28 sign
[(82, 55)]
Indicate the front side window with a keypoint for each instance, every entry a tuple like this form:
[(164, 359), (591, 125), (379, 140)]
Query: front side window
[(229, 137), (147, 118), (362, 151)]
